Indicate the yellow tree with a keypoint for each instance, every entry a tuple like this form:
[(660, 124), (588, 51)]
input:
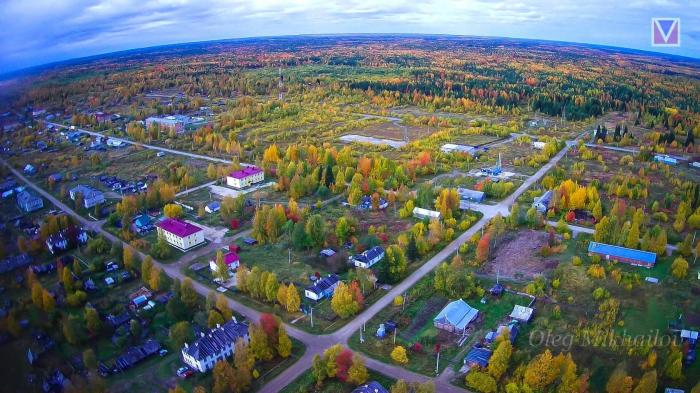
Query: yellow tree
[(343, 303), (293, 300), (398, 354)]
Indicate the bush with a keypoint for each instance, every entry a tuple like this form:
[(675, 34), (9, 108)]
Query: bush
[(398, 300), (398, 354)]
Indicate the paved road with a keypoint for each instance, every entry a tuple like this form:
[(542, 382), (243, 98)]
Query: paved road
[(152, 147), (316, 344), (199, 187)]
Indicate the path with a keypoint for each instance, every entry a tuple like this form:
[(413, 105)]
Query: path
[(193, 189), (316, 344)]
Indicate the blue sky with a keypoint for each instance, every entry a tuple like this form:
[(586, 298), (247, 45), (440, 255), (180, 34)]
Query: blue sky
[(42, 31)]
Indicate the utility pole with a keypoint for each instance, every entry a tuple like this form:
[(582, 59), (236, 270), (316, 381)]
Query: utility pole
[(312, 316), (437, 364), (403, 304), (395, 329), (362, 338), (290, 255)]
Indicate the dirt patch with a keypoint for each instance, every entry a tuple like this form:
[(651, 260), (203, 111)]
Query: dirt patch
[(517, 256), (395, 131), (429, 310)]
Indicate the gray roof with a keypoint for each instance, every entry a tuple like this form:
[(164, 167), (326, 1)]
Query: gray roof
[(216, 340), (457, 313)]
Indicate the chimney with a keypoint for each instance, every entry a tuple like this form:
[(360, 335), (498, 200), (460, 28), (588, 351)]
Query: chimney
[(218, 326), (202, 334), (235, 321), (187, 345)]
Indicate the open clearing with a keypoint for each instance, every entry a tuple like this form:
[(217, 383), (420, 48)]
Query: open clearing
[(518, 256)]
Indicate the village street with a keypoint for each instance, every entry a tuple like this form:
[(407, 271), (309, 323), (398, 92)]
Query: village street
[(318, 343)]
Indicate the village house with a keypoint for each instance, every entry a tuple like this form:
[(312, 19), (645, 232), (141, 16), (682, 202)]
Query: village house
[(322, 288), (423, 214), (231, 260), (217, 344), (368, 258), (455, 317), (180, 234), (142, 224), (370, 387), (91, 196), (29, 202), (542, 203), (626, 255), (66, 239), (245, 177)]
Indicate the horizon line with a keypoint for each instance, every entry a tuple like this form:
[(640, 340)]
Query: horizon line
[(35, 69)]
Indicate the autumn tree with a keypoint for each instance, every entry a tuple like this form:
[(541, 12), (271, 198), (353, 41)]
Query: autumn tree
[(498, 364), (357, 374), (343, 302), (398, 354), (647, 384), (284, 344)]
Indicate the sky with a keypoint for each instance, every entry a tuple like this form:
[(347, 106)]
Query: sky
[(35, 32)]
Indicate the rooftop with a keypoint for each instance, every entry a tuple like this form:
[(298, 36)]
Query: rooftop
[(457, 313), (245, 172), (622, 252), (178, 227), (216, 340)]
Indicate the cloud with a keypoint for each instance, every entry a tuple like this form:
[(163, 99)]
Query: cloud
[(41, 31)]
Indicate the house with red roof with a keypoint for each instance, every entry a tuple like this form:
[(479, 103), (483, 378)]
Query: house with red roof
[(231, 260), (245, 177), (180, 234)]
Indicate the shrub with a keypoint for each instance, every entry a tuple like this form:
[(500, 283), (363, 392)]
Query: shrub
[(398, 354)]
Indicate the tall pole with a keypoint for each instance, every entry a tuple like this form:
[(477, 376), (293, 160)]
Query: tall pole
[(395, 329), (312, 316), (437, 364)]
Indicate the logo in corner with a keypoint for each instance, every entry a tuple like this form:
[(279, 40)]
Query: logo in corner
[(666, 32)]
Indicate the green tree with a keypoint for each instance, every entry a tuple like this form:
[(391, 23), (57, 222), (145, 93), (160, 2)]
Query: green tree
[(187, 293), (92, 320), (674, 364), (180, 333), (89, 359), (318, 369), (647, 384), (316, 230), (73, 330)]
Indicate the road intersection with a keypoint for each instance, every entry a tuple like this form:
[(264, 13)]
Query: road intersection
[(316, 344)]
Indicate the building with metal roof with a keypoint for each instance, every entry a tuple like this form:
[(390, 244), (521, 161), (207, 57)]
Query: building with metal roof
[(478, 357), (217, 344), (322, 288), (470, 195), (622, 254), (368, 258), (455, 317)]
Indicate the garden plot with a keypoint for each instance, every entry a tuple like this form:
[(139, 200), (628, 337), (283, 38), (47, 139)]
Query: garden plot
[(518, 256)]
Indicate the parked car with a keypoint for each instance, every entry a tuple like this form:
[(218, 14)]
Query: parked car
[(184, 372), (162, 352)]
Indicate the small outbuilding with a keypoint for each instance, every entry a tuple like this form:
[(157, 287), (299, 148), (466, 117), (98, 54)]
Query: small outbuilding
[(522, 313)]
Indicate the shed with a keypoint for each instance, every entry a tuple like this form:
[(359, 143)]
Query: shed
[(478, 357), (423, 214), (521, 313)]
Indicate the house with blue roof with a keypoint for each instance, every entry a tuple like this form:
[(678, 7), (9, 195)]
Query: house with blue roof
[(455, 317), (626, 255), (370, 387), (212, 207), (368, 258), (322, 288), (478, 357)]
